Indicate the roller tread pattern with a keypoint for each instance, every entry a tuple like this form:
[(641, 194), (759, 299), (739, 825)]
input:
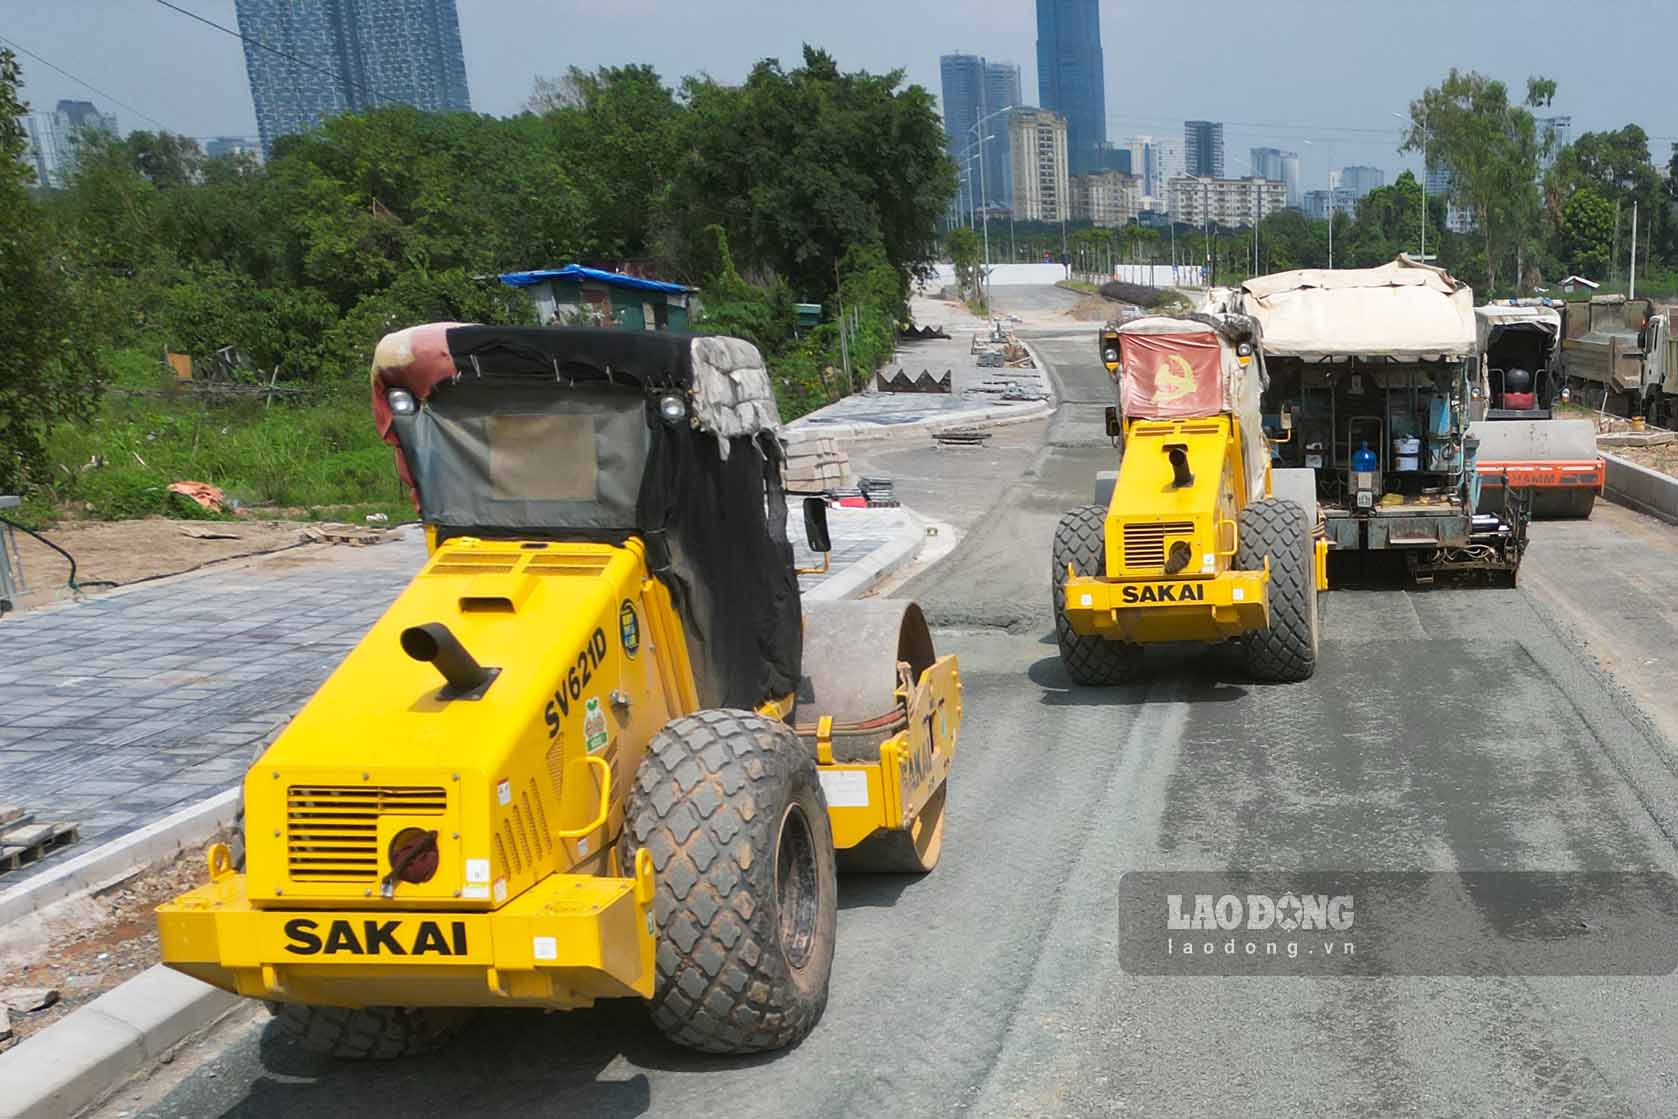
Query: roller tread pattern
[(372, 1033), (1286, 652), (707, 802), (1081, 540)]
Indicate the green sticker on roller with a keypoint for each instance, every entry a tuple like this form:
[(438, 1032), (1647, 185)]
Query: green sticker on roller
[(594, 725)]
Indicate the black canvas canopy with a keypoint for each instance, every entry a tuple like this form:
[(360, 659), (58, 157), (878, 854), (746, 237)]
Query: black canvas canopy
[(543, 432)]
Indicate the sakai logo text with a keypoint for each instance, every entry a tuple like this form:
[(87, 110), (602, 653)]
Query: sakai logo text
[(1289, 912), (375, 938), (1166, 592)]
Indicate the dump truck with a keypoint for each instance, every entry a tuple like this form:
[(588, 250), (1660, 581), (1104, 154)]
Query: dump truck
[(1620, 355), (597, 747), (1523, 443), (1370, 375), (1195, 537)]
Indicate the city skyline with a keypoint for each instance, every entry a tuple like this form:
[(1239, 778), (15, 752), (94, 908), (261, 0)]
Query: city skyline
[(1341, 101)]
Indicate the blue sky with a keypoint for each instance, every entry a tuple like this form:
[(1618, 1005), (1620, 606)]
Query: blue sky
[(1279, 72)]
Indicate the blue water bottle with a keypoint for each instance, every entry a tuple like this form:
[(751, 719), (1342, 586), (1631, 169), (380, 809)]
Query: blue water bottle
[(1364, 459)]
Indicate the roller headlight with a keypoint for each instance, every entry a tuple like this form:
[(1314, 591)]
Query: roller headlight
[(672, 409), (1112, 357), (401, 402)]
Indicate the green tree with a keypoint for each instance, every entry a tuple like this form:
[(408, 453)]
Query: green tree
[(962, 245), (799, 165), (620, 129), (1389, 222), (1587, 232), (46, 371), (1491, 147)]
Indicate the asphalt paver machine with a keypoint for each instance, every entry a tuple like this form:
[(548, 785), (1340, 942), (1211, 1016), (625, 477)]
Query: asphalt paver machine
[(596, 748)]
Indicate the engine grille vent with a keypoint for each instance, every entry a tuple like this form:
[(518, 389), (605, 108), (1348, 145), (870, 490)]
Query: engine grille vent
[(332, 831), (475, 563), (564, 564), (1144, 544)]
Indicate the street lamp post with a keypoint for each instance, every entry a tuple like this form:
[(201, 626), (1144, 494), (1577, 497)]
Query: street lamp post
[(984, 190)]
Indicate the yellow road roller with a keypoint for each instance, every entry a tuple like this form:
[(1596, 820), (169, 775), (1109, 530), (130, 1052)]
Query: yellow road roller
[(597, 747), (1194, 537)]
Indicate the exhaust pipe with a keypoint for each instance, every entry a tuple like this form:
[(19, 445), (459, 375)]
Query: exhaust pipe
[(434, 644)]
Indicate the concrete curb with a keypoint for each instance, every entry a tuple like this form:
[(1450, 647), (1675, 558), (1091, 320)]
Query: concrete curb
[(994, 416), (74, 1063), (874, 568), (1640, 488), (150, 844)]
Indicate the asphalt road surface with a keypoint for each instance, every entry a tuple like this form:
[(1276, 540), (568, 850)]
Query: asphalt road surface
[(1446, 730)]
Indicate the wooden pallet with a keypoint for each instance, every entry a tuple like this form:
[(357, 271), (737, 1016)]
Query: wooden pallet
[(22, 841)]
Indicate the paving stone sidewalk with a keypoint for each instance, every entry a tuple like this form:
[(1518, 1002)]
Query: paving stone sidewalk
[(124, 708)]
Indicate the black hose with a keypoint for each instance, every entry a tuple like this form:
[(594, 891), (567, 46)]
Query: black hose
[(71, 582)]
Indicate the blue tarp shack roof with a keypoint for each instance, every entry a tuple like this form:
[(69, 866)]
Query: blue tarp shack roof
[(577, 274)]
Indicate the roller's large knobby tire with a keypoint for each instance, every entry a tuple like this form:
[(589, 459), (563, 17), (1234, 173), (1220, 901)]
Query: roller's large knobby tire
[(729, 805), (1080, 540), (374, 1033), (1286, 652)]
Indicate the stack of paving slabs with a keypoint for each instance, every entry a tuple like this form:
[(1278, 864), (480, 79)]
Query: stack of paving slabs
[(879, 493), (23, 841), (815, 466)]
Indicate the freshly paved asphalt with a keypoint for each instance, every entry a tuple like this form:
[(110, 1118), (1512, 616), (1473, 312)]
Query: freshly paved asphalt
[(1453, 729)]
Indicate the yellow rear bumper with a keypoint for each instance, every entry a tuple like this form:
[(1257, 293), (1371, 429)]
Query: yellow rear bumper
[(1145, 611), (563, 944)]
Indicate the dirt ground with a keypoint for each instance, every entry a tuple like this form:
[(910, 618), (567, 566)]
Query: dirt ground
[(126, 551), (1663, 458), (83, 946)]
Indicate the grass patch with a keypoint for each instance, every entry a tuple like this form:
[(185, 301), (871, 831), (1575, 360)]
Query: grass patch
[(1083, 287), (320, 454)]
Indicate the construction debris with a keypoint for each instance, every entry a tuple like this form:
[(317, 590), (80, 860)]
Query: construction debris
[(206, 495), (23, 841), (27, 1000), (356, 536), (207, 532)]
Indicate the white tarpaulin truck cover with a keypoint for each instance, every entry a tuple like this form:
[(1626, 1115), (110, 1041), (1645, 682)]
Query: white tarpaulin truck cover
[(1494, 315), (1403, 311)]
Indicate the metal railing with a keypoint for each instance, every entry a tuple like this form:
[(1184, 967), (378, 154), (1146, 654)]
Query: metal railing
[(11, 562)]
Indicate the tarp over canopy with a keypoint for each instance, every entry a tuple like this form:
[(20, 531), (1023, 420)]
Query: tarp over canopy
[(1491, 319), (1402, 311), (555, 433)]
